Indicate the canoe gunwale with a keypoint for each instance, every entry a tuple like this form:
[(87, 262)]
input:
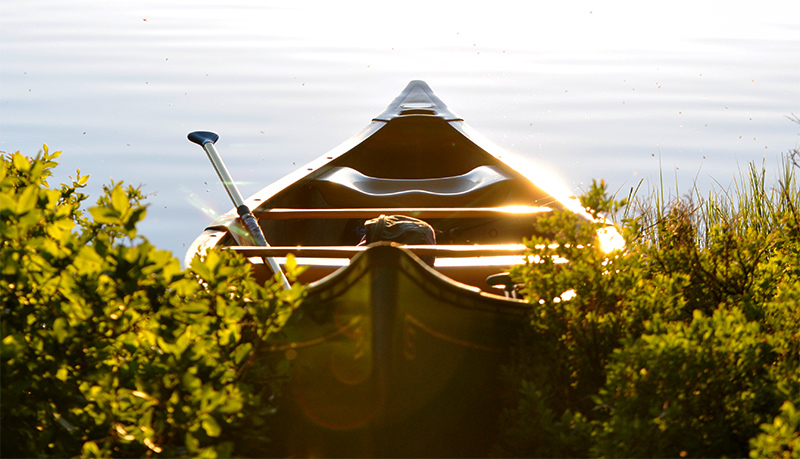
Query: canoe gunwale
[(439, 251), (427, 278), (417, 212)]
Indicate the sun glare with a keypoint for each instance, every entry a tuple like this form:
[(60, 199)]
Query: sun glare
[(543, 177), (546, 179), (610, 239), (523, 209)]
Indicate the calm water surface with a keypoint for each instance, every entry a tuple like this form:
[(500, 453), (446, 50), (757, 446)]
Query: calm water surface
[(583, 90)]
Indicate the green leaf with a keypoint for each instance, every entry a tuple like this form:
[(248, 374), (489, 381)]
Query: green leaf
[(27, 200), (20, 162), (90, 449), (88, 261), (211, 426), (190, 382), (7, 202), (62, 374), (119, 200), (241, 352), (61, 329), (195, 307), (12, 346), (104, 215), (185, 287), (192, 443)]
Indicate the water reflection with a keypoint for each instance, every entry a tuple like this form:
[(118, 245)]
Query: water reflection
[(584, 90)]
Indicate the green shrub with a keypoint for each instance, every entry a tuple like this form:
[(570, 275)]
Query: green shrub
[(780, 439), (108, 347), (683, 344), (695, 388)]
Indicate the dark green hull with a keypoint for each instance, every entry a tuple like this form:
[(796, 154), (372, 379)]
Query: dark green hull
[(391, 358)]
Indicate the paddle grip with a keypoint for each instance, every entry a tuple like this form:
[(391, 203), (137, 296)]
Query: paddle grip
[(255, 231), (258, 238)]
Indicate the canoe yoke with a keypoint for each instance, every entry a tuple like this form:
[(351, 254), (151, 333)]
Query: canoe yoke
[(347, 187)]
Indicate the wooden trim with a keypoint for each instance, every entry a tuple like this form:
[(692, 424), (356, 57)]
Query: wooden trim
[(439, 251), (424, 212)]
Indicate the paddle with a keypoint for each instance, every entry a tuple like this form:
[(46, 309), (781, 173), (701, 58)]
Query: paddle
[(206, 140)]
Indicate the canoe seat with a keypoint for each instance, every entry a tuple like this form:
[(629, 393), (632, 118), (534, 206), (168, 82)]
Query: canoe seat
[(347, 187), (509, 287)]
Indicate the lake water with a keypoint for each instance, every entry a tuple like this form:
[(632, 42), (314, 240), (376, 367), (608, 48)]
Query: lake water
[(619, 91)]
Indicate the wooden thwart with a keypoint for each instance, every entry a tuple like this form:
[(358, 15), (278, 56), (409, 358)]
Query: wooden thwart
[(438, 251), (417, 212)]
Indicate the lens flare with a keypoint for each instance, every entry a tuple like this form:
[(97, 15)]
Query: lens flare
[(197, 202), (610, 239)]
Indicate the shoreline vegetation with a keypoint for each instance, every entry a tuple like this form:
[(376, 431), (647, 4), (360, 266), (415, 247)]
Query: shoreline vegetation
[(684, 344), (109, 349)]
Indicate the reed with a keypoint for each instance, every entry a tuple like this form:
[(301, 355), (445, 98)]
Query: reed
[(755, 201)]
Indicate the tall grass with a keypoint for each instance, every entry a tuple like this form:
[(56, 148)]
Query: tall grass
[(756, 200)]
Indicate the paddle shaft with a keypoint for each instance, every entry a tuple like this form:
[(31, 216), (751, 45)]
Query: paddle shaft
[(206, 140), (224, 175)]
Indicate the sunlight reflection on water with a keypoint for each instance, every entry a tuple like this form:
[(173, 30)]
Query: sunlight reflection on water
[(585, 90)]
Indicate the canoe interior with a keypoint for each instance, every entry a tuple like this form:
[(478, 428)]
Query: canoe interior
[(409, 150), (416, 155)]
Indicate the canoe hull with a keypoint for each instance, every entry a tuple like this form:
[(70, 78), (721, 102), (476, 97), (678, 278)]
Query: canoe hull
[(390, 358)]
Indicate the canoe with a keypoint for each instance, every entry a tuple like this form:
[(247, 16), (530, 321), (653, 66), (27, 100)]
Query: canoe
[(392, 356)]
